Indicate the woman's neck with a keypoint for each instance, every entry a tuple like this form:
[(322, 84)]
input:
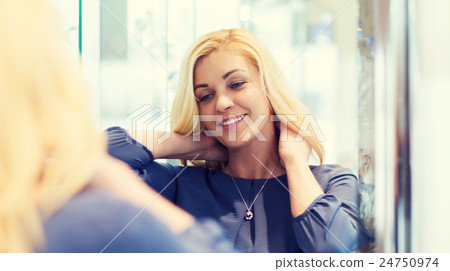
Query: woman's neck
[(255, 161)]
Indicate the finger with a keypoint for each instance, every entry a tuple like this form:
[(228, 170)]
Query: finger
[(283, 131)]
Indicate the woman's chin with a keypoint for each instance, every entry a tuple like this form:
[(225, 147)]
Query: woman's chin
[(238, 143)]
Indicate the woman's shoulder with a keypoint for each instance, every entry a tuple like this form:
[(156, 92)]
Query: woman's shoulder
[(326, 173), (330, 169), (94, 221)]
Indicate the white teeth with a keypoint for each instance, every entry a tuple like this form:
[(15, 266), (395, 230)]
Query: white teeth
[(231, 121)]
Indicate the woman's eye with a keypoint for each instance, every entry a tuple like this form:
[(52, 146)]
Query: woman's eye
[(206, 98), (236, 85)]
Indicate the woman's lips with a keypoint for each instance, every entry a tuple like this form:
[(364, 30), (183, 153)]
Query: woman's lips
[(230, 123)]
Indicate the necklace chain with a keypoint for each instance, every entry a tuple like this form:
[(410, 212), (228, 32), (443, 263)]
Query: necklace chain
[(249, 214)]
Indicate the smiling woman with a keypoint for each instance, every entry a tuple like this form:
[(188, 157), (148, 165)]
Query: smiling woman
[(251, 169), (230, 50), (229, 87)]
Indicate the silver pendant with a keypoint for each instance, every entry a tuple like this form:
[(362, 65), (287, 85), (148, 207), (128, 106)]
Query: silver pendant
[(248, 215)]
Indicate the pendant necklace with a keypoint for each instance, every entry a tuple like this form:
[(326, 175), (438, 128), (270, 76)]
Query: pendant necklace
[(249, 213)]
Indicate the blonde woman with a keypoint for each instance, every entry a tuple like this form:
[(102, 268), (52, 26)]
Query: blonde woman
[(235, 112), (59, 190)]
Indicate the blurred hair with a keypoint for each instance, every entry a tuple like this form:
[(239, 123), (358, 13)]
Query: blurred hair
[(275, 87), (48, 141)]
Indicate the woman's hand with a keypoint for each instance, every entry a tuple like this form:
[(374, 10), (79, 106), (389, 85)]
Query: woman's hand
[(212, 149), (292, 147), (294, 153), (177, 146)]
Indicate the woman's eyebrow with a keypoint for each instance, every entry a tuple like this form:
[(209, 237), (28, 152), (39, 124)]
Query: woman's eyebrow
[(224, 77), (230, 72), (200, 86)]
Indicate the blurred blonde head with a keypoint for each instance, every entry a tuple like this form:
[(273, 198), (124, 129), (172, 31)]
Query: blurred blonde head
[(48, 142), (242, 42)]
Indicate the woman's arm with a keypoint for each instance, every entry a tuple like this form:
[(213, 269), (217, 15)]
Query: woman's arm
[(323, 222), (176, 146), (123, 146), (332, 223), (303, 186), (118, 179)]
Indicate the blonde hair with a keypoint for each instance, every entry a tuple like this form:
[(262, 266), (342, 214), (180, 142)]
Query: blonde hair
[(282, 100), (48, 141)]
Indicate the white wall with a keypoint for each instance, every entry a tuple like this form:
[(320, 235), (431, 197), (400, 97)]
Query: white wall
[(430, 141)]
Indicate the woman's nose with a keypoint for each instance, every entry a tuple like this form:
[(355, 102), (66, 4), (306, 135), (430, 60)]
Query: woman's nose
[(224, 103)]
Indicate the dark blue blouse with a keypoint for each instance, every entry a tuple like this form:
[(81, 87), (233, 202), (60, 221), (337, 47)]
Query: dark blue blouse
[(330, 224)]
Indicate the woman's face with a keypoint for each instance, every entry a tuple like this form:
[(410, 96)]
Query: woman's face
[(231, 98)]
